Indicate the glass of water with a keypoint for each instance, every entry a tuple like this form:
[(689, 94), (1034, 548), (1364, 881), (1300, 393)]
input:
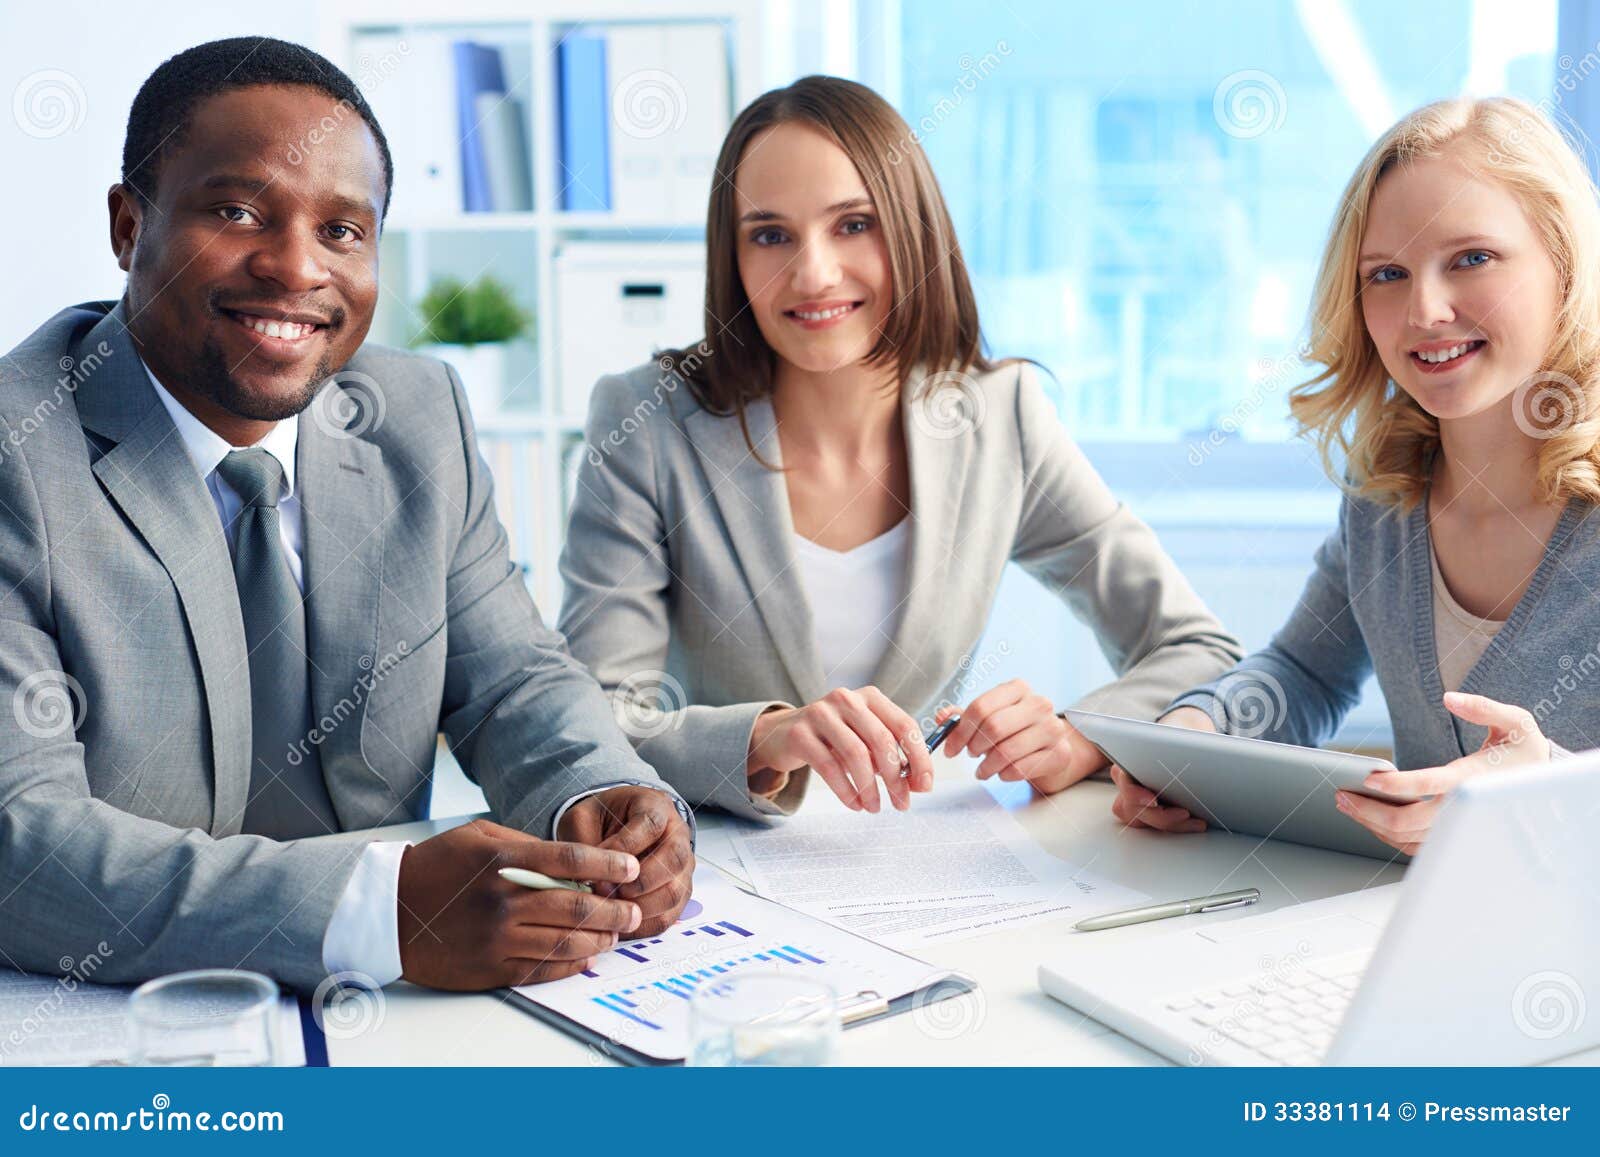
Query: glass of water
[(213, 1017), (763, 1019)]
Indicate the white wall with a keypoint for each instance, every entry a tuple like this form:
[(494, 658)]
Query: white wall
[(53, 228)]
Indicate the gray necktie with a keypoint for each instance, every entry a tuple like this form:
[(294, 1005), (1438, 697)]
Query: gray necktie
[(287, 796)]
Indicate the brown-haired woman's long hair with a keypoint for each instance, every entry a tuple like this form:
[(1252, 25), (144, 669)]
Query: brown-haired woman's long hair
[(933, 321)]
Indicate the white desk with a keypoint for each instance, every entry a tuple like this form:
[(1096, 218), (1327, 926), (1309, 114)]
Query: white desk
[(1007, 1022)]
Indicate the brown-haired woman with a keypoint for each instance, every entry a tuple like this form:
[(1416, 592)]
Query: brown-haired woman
[(786, 541)]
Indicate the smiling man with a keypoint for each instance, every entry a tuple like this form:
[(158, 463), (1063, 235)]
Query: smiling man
[(249, 569)]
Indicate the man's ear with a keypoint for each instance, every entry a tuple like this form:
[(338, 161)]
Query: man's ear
[(127, 218)]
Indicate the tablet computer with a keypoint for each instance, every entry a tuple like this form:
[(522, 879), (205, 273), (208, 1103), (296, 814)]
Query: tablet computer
[(1252, 786)]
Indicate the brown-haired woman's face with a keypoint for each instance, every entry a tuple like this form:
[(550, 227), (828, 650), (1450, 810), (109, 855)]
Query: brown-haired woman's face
[(812, 255), (1458, 293)]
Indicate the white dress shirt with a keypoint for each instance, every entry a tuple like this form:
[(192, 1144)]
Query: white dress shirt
[(856, 597), (363, 937)]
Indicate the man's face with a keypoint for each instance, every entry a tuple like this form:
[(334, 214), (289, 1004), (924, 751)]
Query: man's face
[(253, 275)]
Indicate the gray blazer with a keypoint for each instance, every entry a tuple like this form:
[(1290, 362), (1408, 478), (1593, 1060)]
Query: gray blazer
[(122, 658), (1368, 608), (682, 593)]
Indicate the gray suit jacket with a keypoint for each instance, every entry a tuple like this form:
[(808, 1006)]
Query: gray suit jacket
[(682, 593), (122, 657)]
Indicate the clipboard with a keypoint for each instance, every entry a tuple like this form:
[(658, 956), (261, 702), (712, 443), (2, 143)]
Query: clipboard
[(865, 1006)]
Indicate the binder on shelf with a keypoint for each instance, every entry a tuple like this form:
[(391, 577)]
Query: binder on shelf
[(700, 61), (419, 120), (644, 105), (584, 176), (478, 73), (505, 152)]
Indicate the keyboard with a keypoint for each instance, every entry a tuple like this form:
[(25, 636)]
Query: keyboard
[(1285, 1015)]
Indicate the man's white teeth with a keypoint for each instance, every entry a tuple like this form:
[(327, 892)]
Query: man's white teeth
[(292, 330), (1455, 351), (824, 314)]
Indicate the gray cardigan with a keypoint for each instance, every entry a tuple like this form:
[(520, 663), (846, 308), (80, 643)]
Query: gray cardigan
[(1368, 606), (683, 597)]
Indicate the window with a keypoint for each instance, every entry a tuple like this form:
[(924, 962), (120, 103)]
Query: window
[(1142, 189)]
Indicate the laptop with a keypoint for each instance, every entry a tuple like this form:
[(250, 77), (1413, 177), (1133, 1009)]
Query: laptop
[(1488, 953)]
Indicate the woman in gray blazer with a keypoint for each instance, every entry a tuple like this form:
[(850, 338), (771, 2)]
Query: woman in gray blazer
[(1460, 390), (786, 541)]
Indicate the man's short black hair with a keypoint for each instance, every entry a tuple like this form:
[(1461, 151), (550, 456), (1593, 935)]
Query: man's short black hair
[(160, 114)]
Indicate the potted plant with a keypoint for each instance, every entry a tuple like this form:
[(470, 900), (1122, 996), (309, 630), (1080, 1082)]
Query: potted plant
[(468, 326)]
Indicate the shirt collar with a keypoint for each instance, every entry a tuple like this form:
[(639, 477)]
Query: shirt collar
[(207, 448)]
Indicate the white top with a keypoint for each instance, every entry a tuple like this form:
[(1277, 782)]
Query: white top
[(1459, 636), (856, 597)]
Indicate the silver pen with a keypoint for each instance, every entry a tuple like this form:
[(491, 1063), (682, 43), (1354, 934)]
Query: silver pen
[(1175, 908)]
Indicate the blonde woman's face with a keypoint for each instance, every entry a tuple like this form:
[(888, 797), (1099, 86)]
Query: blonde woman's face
[(812, 256), (1458, 292)]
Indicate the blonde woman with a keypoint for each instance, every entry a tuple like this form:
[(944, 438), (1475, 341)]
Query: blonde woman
[(1457, 318), (786, 541)]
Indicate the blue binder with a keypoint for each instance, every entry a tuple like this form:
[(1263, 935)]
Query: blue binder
[(585, 169), (478, 70)]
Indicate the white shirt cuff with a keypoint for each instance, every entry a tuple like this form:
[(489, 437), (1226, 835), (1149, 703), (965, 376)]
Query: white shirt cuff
[(364, 935)]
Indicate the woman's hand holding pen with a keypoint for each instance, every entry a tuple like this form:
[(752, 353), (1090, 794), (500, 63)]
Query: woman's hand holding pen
[(1019, 736), (851, 738)]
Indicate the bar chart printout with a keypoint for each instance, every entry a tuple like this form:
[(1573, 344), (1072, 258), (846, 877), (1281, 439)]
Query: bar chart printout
[(638, 994)]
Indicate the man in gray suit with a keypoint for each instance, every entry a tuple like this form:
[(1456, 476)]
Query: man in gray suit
[(250, 568)]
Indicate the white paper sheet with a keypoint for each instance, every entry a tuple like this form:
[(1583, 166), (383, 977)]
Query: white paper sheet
[(957, 864), (638, 994), (46, 1020)]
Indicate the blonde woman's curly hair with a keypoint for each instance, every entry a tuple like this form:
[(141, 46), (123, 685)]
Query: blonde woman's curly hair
[(1357, 414)]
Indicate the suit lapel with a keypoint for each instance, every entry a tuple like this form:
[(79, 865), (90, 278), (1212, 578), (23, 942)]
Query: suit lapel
[(150, 476), (754, 504), (345, 502), (938, 468)]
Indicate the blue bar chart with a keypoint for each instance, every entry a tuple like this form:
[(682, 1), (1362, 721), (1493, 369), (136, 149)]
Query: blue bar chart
[(640, 993), (635, 1001)]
